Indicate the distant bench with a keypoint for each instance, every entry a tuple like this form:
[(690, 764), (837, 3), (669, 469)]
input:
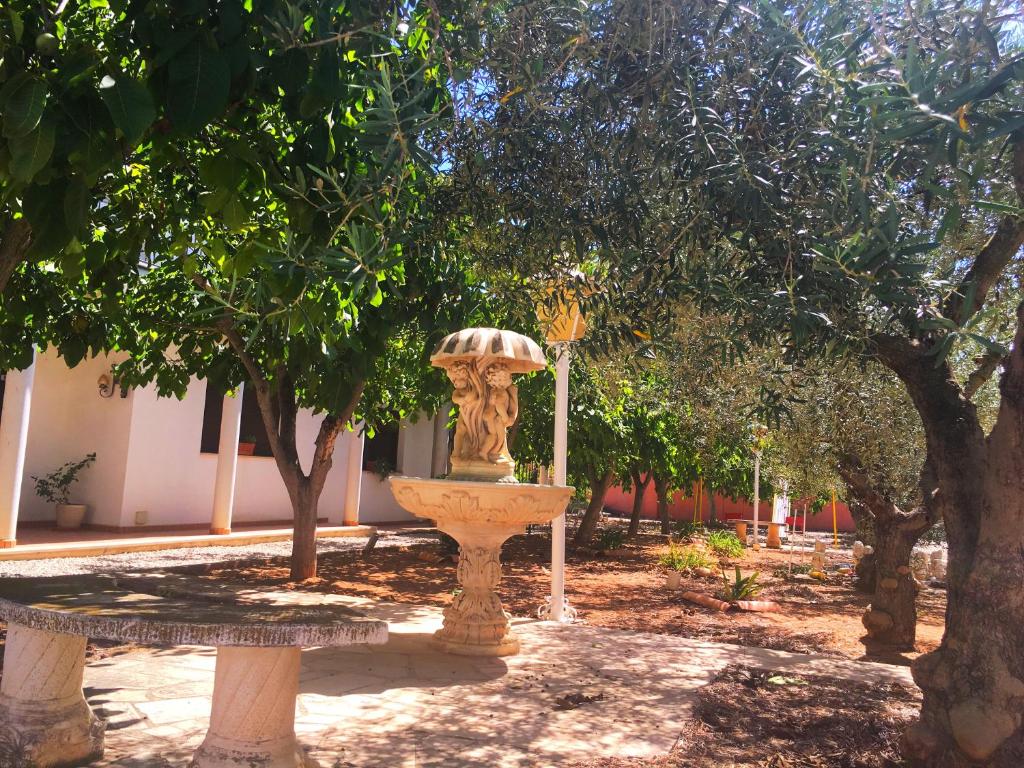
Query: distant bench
[(252, 722)]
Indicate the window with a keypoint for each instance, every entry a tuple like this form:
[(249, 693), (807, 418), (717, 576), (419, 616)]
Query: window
[(380, 452), (252, 430)]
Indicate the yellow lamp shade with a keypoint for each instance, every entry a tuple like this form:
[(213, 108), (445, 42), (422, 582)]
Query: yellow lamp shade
[(565, 322)]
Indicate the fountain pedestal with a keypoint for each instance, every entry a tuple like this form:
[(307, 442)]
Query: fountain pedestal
[(480, 516)]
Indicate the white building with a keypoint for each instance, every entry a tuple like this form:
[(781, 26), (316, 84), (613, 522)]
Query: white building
[(157, 458)]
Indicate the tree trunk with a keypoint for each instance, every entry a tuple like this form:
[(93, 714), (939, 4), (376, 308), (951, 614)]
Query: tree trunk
[(661, 488), (279, 409), (599, 485), (639, 490), (891, 619), (304, 509), (973, 708), (712, 507)]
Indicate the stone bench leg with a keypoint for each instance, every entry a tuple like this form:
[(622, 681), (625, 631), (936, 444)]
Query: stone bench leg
[(252, 724), (44, 717)]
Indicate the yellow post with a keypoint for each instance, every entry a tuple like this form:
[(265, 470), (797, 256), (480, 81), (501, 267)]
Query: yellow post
[(835, 523)]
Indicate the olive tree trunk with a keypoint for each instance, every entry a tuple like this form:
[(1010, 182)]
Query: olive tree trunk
[(599, 486), (640, 483), (973, 684), (278, 404), (891, 618)]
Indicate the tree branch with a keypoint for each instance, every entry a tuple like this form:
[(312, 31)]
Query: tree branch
[(995, 254), (987, 365), (14, 243), (854, 475), (269, 404), (327, 436)]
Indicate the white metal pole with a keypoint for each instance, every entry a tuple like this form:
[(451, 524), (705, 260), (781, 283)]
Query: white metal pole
[(757, 495), (13, 439), (561, 445), (227, 463)]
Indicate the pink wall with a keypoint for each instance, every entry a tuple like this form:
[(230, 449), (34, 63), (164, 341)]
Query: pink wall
[(681, 508)]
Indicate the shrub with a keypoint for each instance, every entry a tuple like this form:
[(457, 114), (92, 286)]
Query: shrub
[(687, 559), (725, 543), (741, 588), (611, 538)]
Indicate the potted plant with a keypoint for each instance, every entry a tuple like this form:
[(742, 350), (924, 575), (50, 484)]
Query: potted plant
[(247, 445), (55, 486), (611, 541), (674, 561)]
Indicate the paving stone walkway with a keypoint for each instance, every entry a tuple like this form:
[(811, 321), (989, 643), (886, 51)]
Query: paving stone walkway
[(404, 705)]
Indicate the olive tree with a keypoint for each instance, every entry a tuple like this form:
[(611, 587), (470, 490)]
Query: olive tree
[(846, 179)]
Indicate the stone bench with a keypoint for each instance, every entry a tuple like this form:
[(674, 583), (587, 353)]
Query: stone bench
[(256, 682)]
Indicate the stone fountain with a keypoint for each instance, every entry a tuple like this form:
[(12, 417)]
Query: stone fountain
[(481, 504)]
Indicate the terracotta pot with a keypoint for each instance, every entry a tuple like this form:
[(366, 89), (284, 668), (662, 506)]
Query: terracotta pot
[(761, 606), (246, 449), (672, 579), (741, 532), (70, 516), (706, 601)]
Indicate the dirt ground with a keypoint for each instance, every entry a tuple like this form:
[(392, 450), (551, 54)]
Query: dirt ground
[(626, 591), (750, 718)]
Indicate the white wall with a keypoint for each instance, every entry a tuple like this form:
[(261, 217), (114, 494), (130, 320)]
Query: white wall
[(415, 450), (69, 419), (148, 458), (172, 481)]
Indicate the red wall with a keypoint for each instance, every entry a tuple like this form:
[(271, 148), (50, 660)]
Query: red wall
[(681, 508)]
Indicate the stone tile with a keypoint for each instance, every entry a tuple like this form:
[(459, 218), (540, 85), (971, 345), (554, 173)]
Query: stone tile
[(403, 705), (166, 711)]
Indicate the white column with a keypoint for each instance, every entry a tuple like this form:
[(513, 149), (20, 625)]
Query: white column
[(354, 476), (13, 438), (252, 718), (439, 460), (41, 699), (757, 496), (560, 450), (227, 463)]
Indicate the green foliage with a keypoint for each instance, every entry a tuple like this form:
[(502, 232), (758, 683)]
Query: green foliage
[(724, 543), (55, 487), (685, 559), (611, 538), (741, 587), (688, 530)]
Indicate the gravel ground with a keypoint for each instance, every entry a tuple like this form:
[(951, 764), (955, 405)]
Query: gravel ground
[(171, 558)]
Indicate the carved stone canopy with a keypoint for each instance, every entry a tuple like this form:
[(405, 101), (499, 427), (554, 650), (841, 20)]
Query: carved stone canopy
[(480, 363), (521, 353)]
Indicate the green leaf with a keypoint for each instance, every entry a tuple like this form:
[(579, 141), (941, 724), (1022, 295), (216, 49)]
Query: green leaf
[(30, 153), (234, 213), (130, 104), (76, 205), (199, 82), (23, 108), (17, 25)]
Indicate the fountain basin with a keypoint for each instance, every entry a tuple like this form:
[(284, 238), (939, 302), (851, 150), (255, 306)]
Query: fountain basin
[(480, 516)]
